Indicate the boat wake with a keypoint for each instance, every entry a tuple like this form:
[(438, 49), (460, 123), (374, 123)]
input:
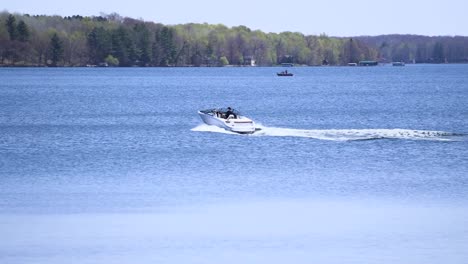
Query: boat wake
[(343, 134), (214, 129)]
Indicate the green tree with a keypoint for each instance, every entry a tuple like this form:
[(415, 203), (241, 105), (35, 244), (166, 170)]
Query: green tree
[(112, 61), (99, 44), (438, 53), (351, 52), (421, 53), (120, 46), (143, 43), (223, 61), (164, 49), (156, 49), (168, 46), (11, 27), (55, 49), (23, 31)]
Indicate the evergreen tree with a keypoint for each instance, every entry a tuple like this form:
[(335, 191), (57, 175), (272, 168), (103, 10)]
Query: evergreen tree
[(438, 53), (93, 44), (23, 31), (168, 47), (351, 52), (55, 49), (122, 47), (11, 27), (156, 49), (143, 43), (99, 45), (421, 53)]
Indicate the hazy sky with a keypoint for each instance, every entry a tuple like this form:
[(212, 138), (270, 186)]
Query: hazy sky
[(333, 17)]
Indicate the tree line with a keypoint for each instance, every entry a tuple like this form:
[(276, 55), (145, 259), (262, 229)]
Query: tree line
[(39, 40)]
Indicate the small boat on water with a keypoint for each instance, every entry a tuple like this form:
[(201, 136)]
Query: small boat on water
[(229, 119), (284, 73), (398, 63)]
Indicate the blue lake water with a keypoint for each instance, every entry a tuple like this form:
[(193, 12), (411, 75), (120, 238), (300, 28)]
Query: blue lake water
[(352, 165)]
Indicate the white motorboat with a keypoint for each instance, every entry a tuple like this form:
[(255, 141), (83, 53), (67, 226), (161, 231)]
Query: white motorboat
[(228, 119)]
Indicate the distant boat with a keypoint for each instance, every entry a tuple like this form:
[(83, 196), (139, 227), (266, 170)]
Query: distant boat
[(368, 63), (284, 73), (398, 63)]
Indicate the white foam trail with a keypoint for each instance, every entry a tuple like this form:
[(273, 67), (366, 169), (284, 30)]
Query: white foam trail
[(356, 134), (341, 134), (214, 129)]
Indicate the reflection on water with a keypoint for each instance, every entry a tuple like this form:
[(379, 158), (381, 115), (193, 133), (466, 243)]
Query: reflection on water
[(252, 231), (112, 165)]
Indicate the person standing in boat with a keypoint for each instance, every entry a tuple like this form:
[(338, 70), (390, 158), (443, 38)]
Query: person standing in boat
[(230, 112)]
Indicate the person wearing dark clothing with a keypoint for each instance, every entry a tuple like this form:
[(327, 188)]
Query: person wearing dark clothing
[(230, 112)]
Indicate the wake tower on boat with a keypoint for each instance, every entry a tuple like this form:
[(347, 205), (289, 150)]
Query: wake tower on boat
[(229, 119)]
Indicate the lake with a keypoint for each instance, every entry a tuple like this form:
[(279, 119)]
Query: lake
[(351, 165)]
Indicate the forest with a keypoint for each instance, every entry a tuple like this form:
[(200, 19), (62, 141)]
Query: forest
[(113, 40)]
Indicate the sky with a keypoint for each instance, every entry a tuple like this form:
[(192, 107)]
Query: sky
[(332, 17)]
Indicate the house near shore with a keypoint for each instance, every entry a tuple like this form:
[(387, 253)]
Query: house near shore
[(249, 61)]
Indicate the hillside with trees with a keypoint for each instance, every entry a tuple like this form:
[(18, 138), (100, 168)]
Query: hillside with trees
[(39, 40)]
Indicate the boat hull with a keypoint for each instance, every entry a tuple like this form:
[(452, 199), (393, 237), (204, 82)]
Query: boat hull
[(241, 125)]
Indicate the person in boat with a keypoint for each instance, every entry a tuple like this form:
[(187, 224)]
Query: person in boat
[(229, 112)]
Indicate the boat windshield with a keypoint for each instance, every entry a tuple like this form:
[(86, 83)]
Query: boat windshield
[(220, 112), (224, 110)]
